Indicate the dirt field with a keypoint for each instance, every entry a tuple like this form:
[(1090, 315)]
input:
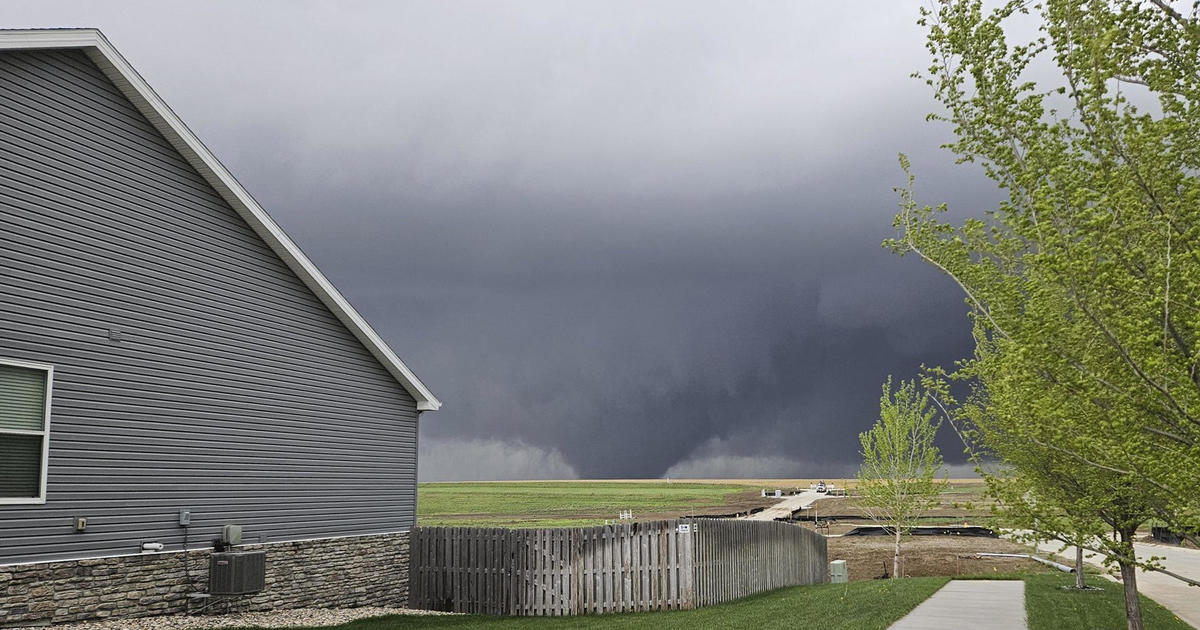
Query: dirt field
[(962, 502), (921, 556)]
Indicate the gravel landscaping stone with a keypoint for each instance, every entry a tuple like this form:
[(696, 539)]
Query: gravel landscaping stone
[(294, 618)]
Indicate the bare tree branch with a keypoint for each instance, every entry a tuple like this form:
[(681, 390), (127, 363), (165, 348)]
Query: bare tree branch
[(1170, 11)]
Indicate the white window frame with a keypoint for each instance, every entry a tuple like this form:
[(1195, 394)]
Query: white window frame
[(44, 433)]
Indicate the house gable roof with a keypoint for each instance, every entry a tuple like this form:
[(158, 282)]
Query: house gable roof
[(93, 43)]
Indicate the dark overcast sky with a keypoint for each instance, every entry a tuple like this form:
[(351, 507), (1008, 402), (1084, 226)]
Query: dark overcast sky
[(617, 239)]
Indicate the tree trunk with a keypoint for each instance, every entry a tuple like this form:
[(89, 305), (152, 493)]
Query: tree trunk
[(1133, 606), (1079, 568), (896, 556)]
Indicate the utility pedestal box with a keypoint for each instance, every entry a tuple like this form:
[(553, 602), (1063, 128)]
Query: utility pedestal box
[(237, 572), (838, 573)]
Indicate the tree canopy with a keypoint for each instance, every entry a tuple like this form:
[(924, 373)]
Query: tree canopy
[(1086, 279), (898, 479), (1084, 283)]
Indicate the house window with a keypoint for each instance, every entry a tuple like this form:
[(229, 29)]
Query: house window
[(24, 430)]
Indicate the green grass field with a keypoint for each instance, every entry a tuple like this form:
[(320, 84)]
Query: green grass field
[(864, 605), (857, 606), (1052, 608), (582, 503), (570, 503)]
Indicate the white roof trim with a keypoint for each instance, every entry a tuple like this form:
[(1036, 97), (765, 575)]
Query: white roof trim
[(118, 70)]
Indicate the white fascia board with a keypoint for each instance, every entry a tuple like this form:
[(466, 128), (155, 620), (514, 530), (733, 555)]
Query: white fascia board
[(160, 115)]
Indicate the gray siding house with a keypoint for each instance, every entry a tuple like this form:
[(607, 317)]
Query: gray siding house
[(165, 348)]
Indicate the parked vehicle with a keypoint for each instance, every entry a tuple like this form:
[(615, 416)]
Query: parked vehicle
[(821, 487)]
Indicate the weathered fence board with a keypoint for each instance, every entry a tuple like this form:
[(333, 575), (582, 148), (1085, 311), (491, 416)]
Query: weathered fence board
[(739, 558), (661, 565)]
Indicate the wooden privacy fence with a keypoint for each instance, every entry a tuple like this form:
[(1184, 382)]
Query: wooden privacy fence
[(660, 565), (734, 559)]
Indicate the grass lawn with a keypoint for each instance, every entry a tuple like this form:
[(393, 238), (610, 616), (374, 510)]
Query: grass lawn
[(870, 605), (867, 605), (1051, 608), (572, 503)]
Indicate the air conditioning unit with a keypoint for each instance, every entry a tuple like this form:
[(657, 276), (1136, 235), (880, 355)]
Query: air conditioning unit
[(237, 573)]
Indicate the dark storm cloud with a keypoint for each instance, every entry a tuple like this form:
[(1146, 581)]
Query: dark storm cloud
[(617, 239)]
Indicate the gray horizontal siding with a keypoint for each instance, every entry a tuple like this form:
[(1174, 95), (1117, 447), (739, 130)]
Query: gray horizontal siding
[(234, 393)]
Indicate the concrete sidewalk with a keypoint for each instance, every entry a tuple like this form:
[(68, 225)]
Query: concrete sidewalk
[(787, 505), (970, 604)]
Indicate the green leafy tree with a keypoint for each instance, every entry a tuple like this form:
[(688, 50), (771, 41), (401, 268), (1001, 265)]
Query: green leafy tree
[(898, 479), (1047, 496), (1084, 284)]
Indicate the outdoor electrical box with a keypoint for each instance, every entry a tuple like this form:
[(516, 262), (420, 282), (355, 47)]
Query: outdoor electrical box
[(237, 573), (838, 573), (231, 534)]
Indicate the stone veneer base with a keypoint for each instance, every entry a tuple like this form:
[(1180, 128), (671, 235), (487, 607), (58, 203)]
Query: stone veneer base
[(322, 573)]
